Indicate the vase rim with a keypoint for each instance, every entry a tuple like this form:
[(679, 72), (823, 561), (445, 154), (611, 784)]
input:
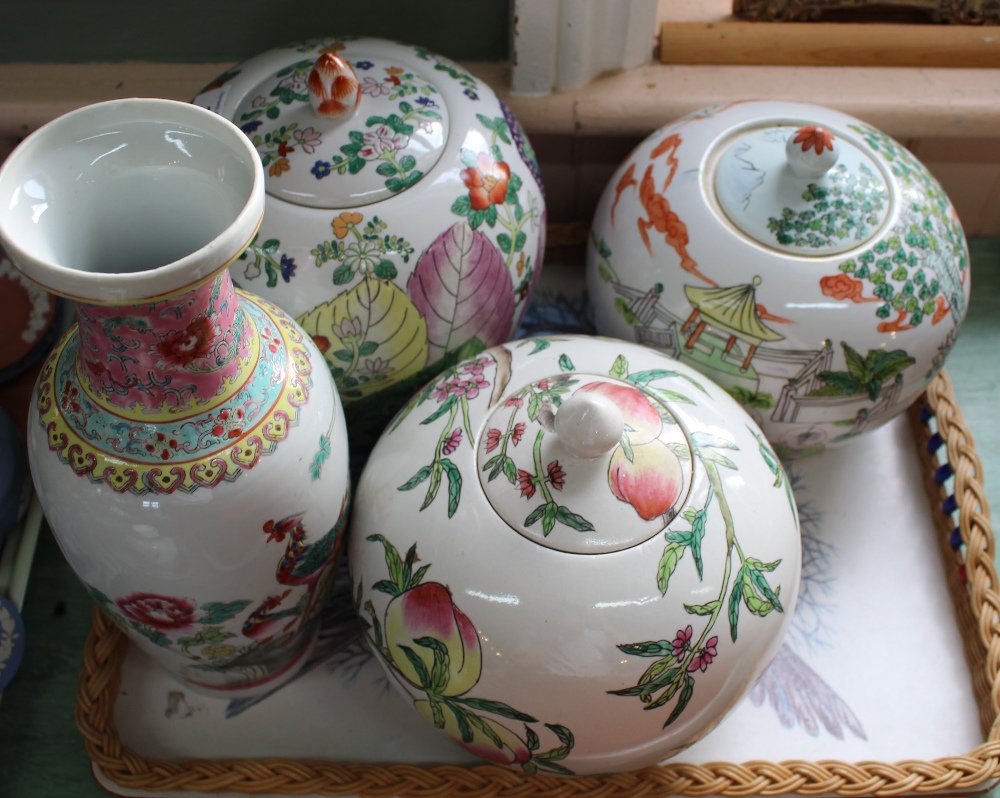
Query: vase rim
[(203, 261)]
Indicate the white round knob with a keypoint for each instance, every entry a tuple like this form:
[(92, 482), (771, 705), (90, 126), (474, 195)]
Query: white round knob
[(589, 424), (812, 151)]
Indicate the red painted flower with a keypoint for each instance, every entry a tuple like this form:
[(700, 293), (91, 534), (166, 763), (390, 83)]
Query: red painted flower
[(557, 475), (518, 433), (487, 182), (160, 612), (182, 347), (492, 439), (526, 482), (814, 137)]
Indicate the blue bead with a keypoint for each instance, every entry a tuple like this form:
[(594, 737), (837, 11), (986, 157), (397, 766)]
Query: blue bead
[(942, 473)]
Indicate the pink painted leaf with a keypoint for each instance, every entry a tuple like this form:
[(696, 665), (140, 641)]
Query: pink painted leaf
[(462, 288)]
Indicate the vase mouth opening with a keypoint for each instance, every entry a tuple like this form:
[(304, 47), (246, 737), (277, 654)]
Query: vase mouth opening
[(130, 200)]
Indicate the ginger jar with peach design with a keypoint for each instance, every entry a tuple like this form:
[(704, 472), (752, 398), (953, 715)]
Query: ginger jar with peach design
[(796, 255), (573, 555)]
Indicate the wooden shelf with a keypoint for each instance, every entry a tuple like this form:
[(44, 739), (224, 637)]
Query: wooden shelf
[(906, 102)]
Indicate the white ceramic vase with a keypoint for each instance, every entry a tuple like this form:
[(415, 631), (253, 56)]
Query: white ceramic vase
[(186, 442)]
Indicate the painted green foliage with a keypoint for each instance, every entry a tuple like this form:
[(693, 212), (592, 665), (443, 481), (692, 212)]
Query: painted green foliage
[(864, 375), (432, 647), (918, 268), (744, 584), (845, 208), (453, 389)]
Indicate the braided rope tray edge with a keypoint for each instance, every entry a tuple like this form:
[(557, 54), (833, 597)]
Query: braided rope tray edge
[(972, 580)]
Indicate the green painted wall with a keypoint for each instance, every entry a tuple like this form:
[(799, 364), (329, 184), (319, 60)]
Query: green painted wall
[(77, 31)]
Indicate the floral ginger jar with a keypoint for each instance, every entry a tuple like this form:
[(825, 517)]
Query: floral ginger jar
[(185, 439), (574, 555), (405, 221), (796, 255)]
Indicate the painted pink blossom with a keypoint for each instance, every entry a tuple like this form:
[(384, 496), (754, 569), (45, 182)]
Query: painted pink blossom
[(295, 82), (374, 88), (681, 642), (161, 612), (517, 433), (452, 442), (380, 141), (514, 401), (477, 366), (704, 657), (309, 139)]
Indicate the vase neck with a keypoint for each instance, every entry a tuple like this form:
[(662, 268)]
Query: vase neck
[(183, 352)]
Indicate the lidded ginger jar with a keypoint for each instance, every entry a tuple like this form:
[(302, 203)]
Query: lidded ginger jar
[(574, 554), (404, 221), (796, 255)]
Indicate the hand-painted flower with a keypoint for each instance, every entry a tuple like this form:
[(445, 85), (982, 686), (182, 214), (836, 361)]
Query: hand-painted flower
[(374, 88), (650, 482), (681, 641), (452, 442), (513, 751), (362, 256), (288, 267), (308, 138), (526, 482), (518, 432), (487, 182), (278, 167), (349, 329), (342, 224), (557, 475), (160, 612), (704, 658), (417, 619), (180, 348), (492, 439), (380, 141)]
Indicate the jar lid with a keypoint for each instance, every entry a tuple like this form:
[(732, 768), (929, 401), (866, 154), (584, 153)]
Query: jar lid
[(801, 189), (600, 430), (344, 131)]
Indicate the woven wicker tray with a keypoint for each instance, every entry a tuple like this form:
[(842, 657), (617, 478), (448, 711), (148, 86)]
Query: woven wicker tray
[(953, 476)]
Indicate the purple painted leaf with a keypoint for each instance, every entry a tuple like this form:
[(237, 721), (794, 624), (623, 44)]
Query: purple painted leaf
[(462, 288)]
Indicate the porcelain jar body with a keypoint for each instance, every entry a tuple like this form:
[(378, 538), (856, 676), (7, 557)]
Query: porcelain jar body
[(186, 444), (823, 301), (571, 597), (404, 235)]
